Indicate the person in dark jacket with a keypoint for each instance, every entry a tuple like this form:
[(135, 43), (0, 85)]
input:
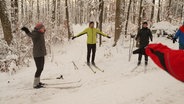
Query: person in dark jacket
[(39, 51), (168, 59), (143, 37), (180, 34)]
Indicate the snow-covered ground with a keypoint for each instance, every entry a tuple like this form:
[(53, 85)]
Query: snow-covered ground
[(117, 85)]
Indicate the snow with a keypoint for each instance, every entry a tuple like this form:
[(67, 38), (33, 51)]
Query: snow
[(166, 26), (117, 85)]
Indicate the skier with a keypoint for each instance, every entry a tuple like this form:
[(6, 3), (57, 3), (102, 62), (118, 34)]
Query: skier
[(170, 60), (143, 38), (91, 40), (39, 50), (180, 34)]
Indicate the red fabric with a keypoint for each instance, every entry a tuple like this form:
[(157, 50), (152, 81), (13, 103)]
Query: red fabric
[(182, 29), (174, 59)]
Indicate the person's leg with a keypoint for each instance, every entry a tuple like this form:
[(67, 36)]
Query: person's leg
[(146, 59), (181, 47), (39, 61), (88, 53), (139, 59), (39, 65), (93, 53)]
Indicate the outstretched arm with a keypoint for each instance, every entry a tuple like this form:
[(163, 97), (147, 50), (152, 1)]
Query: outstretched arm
[(101, 33), (30, 34), (82, 33)]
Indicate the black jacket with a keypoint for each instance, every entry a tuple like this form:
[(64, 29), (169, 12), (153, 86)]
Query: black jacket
[(143, 37), (39, 49)]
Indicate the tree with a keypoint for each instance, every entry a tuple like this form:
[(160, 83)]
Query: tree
[(134, 11), (53, 11), (118, 19), (58, 12), (14, 14), (158, 14), (101, 6), (168, 11), (67, 19), (22, 8), (182, 11), (38, 10), (127, 19), (140, 14), (152, 10), (5, 22)]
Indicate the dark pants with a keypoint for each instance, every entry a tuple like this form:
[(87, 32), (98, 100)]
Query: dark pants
[(39, 61), (181, 46), (140, 58), (140, 55), (91, 47)]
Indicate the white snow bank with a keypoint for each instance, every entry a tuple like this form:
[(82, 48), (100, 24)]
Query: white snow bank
[(165, 26)]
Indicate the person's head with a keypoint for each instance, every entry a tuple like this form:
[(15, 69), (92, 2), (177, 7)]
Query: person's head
[(91, 24), (40, 27), (144, 24)]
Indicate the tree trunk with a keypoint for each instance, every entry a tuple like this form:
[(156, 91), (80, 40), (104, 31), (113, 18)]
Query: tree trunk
[(101, 6), (168, 11), (38, 11), (67, 19), (152, 10), (158, 14), (53, 11), (58, 12), (5, 22), (182, 11), (134, 11), (140, 15), (22, 9), (127, 19), (14, 14), (118, 20)]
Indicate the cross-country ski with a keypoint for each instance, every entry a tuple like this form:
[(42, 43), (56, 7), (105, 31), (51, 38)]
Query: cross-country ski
[(96, 67)]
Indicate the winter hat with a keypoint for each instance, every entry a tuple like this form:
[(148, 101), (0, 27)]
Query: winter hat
[(145, 23), (91, 22), (39, 26)]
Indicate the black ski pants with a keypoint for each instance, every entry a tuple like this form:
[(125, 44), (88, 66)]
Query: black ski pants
[(39, 61), (140, 55), (140, 58), (91, 48)]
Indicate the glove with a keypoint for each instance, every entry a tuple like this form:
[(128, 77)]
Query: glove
[(108, 37), (174, 40), (25, 29), (73, 37)]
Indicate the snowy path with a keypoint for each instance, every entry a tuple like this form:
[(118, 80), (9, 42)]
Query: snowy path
[(117, 85)]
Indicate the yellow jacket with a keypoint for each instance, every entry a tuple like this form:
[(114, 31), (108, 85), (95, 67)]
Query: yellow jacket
[(91, 34)]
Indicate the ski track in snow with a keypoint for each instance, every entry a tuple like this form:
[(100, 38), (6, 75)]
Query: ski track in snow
[(117, 85)]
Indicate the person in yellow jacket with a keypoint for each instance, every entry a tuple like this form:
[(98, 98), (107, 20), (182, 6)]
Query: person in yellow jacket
[(91, 40)]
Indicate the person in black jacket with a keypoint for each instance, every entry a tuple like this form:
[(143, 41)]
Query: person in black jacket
[(143, 37), (39, 50)]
